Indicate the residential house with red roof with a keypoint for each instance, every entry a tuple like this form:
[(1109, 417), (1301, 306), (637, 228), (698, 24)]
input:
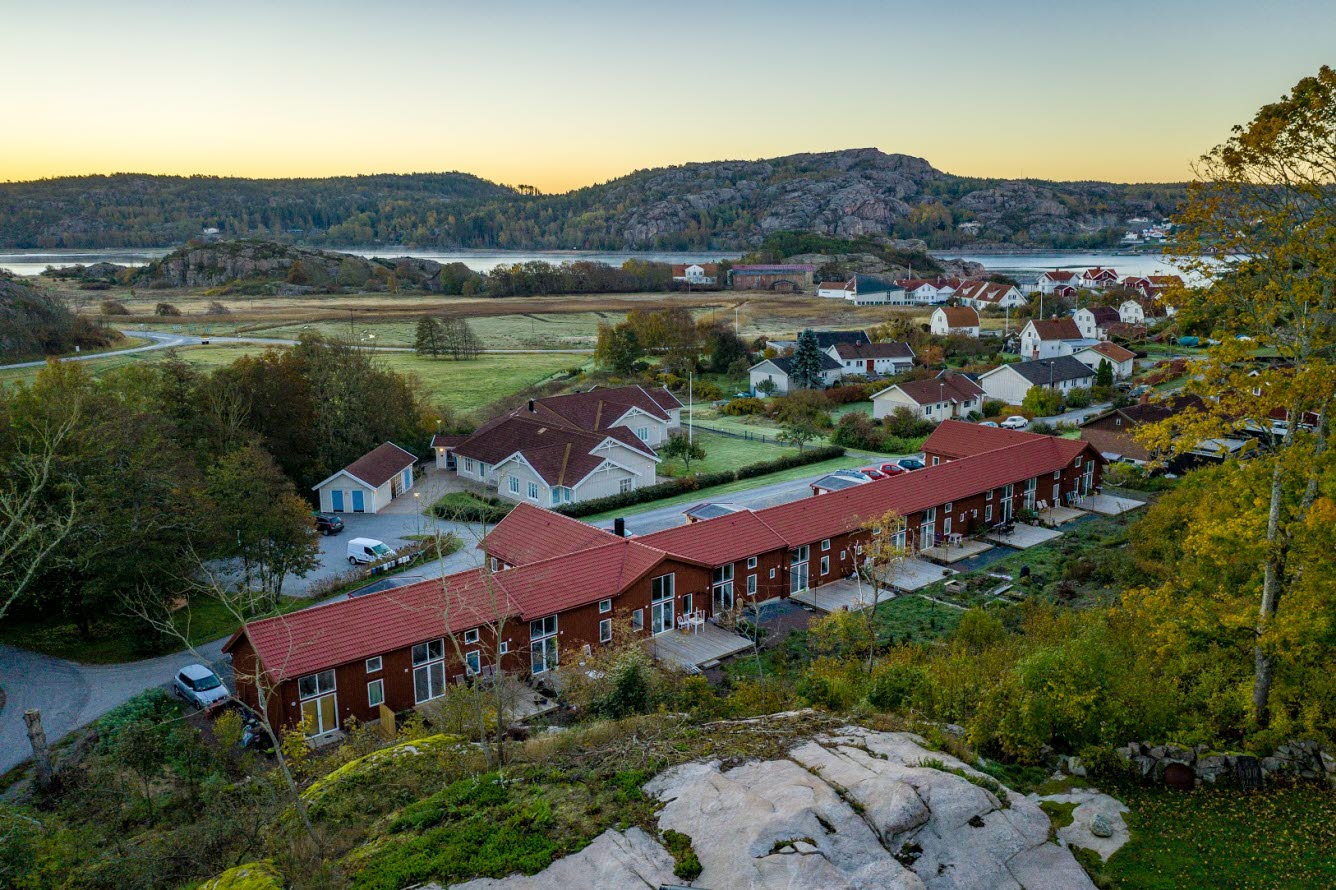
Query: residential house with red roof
[(1094, 322), (443, 447), (1056, 281), (985, 294), (702, 274), (573, 447), (872, 359), (369, 483), (1120, 360), (946, 396), (1052, 337), (949, 321), (557, 587), (1097, 278)]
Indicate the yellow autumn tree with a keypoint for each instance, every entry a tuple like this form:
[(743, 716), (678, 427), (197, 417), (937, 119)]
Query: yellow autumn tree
[(1260, 225)]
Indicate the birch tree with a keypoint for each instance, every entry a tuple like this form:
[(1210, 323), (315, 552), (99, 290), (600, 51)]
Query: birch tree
[(1260, 225)]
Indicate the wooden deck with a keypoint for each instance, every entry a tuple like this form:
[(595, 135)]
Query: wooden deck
[(696, 650), (847, 593), (949, 553), (1108, 505)]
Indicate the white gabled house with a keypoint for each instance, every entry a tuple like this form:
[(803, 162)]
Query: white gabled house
[(983, 294), (957, 320), (946, 396), (1094, 322), (872, 359), (1048, 338), (1010, 383), (778, 370), (1054, 281), (369, 483), (1120, 360)]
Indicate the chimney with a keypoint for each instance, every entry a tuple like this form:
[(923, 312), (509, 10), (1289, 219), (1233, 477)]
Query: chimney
[(619, 527), (531, 406)]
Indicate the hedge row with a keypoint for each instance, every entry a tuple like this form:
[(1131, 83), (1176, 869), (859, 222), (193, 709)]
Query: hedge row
[(700, 480), (470, 507)]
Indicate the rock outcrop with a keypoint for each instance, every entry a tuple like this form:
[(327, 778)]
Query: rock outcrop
[(852, 810)]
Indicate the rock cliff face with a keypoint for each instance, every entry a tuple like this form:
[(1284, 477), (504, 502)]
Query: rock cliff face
[(853, 810), (289, 269)]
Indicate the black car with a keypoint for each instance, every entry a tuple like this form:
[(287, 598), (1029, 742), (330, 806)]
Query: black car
[(327, 523), (910, 463)]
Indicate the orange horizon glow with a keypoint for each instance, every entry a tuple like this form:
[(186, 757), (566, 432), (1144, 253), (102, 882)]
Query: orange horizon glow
[(562, 98)]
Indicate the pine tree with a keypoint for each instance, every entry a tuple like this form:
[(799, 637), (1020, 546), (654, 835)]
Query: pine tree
[(1104, 373), (806, 371)]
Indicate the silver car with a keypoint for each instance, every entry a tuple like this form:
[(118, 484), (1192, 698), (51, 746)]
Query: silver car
[(199, 686)]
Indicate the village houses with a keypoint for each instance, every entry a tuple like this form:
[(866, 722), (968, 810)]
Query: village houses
[(947, 396), (985, 294), (1010, 383), (954, 320), (1050, 337)]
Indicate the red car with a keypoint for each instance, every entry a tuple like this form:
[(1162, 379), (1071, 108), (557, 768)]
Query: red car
[(872, 473), (892, 469)]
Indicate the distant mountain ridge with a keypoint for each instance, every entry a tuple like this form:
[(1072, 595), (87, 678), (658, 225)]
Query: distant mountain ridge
[(725, 205)]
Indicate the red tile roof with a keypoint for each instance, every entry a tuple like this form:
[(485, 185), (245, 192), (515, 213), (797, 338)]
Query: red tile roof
[(599, 409), (955, 438), (865, 351), (718, 541), (983, 291), (1057, 329), (951, 388), (1113, 351), (961, 316), (532, 534), (561, 454), (439, 441), (833, 285), (379, 465), (1059, 275)]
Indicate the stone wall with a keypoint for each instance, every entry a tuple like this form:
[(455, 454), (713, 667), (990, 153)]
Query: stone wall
[(1292, 760)]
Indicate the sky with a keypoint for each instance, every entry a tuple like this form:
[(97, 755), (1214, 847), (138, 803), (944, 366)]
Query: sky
[(565, 95)]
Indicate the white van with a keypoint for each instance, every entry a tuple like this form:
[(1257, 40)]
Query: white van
[(366, 550)]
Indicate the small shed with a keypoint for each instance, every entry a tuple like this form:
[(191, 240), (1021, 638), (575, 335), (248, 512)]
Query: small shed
[(369, 483)]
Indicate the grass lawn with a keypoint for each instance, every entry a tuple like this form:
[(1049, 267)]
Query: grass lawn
[(718, 491), (211, 356), (725, 453), (911, 618), (1221, 837), (751, 425), (467, 386)]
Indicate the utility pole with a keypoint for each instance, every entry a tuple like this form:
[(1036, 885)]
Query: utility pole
[(691, 417)]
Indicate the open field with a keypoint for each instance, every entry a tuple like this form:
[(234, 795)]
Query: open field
[(725, 453)]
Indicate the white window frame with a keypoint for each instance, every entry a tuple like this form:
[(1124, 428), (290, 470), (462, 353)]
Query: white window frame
[(505, 647), (605, 630), (825, 565), (825, 545), (471, 636), (379, 699), (473, 662), (751, 585), (638, 620), (429, 669), (533, 491), (751, 562), (604, 606), (663, 603), (543, 651), (314, 692), (513, 483), (624, 485), (374, 664)]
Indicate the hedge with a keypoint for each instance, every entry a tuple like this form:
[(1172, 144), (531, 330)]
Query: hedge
[(698, 481), (465, 506)]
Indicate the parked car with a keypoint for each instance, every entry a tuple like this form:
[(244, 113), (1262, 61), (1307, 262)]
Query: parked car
[(892, 469), (327, 523), (199, 686), (988, 423), (1015, 422), (853, 474), (910, 463), (872, 473), (365, 550)]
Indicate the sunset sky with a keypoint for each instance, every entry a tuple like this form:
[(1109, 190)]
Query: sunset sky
[(564, 95)]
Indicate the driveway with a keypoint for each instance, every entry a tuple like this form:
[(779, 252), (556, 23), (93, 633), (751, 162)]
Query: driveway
[(71, 695)]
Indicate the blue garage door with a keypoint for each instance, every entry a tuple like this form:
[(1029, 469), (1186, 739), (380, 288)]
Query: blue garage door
[(359, 505), (336, 501)]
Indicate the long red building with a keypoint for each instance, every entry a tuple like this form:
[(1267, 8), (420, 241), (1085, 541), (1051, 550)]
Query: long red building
[(553, 585)]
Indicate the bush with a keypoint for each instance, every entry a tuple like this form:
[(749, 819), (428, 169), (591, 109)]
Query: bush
[(166, 309), (707, 391), (857, 430), (678, 845), (686, 484), (744, 407), (114, 307), (1079, 398), (464, 506), (907, 424), (216, 308), (848, 393), (1042, 402)]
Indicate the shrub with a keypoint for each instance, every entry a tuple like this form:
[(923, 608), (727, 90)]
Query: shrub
[(216, 308), (464, 506), (678, 845), (1041, 401), (907, 424), (1079, 398), (707, 391), (114, 307), (848, 393), (166, 309), (857, 430), (744, 407)]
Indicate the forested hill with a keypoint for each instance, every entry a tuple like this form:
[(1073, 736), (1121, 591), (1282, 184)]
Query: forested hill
[(721, 205)]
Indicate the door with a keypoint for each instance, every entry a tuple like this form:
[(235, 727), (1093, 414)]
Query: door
[(1057, 494), (359, 503), (336, 501), (798, 565), (320, 714), (661, 617)]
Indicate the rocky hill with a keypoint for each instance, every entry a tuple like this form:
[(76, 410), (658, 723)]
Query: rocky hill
[(730, 205), (34, 324)]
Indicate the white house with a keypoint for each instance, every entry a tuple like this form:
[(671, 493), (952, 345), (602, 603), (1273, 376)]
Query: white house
[(1047, 338), (1010, 383), (938, 398), (1097, 278), (697, 273), (652, 413), (777, 371), (1131, 312), (872, 359), (443, 448), (834, 290), (369, 483), (1119, 359), (1094, 321), (921, 292), (982, 294), (864, 290), (1052, 282), (959, 320)]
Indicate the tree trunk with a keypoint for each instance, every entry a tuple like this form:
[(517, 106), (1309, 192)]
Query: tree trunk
[(1273, 573), (41, 754)]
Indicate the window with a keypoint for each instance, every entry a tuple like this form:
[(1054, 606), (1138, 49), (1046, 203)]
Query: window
[(513, 483), (624, 486), (375, 693), (751, 562), (988, 513), (505, 647), (989, 497), (562, 494), (798, 568), (723, 588), (687, 603), (949, 505), (772, 574), (543, 644), (825, 565), (1057, 474), (661, 590), (319, 703), (533, 491), (468, 464), (1078, 461), (825, 545), (638, 620), (751, 585), (605, 630), (471, 636), (428, 670), (604, 606), (642, 432), (493, 564), (934, 460), (473, 662), (373, 665)]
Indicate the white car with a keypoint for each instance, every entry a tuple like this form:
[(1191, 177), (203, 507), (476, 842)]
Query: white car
[(1015, 422), (199, 686)]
